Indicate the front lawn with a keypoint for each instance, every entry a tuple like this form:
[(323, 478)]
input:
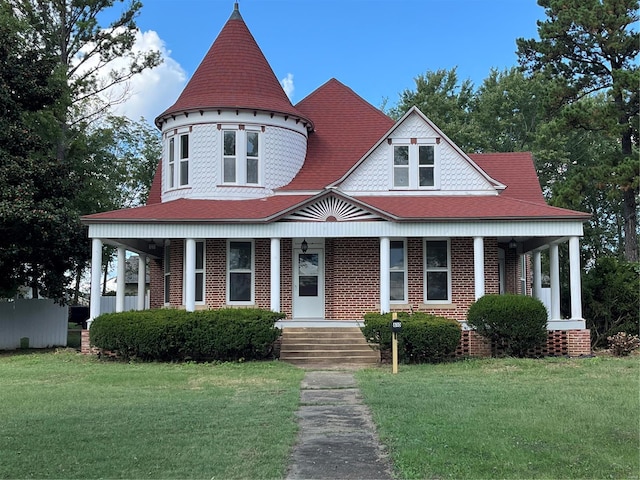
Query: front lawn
[(509, 418), (63, 415)]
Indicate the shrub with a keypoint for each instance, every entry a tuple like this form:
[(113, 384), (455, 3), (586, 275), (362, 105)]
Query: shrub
[(175, 335), (611, 297), (622, 344), (515, 324), (424, 338)]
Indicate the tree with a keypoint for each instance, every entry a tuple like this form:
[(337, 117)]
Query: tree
[(593, 46), (93, 58), (445, 101), (39, 230)]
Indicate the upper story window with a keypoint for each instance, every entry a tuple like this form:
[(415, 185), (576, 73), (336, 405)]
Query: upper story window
[(414, 165), (178, 171), (241, 157)]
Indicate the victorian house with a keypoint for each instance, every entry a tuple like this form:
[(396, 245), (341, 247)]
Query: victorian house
[(329, 209)]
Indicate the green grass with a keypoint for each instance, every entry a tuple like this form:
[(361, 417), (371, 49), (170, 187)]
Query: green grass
[(63, 415), (509, 418)]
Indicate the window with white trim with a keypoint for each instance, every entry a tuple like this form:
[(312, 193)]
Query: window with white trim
[(414, 164), (167, 275), (241, 156), (240, 272), (184, 160), (200, 254), (199, 272), (437, 271), (398, 271), (178, 160)]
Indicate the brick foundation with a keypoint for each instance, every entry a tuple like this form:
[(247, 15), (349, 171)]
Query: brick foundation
[(85, 344), (579, 342)]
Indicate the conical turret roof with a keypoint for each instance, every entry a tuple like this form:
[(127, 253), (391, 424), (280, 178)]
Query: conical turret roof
[(234, 74)]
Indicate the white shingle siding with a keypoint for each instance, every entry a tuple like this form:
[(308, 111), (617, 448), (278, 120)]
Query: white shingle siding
[(374, 174)]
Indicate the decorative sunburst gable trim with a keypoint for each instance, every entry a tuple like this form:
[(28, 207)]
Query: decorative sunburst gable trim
[(332, 208)]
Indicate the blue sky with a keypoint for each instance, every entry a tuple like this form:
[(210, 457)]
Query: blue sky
[(376, 47)]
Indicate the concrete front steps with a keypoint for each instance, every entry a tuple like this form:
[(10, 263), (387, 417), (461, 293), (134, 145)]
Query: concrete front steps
[(327, 347)]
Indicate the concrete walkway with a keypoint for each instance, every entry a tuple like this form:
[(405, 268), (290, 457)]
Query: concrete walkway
[(337, 439)]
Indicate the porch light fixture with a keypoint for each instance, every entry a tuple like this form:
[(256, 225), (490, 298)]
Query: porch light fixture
[(304, 246), (513, 244)]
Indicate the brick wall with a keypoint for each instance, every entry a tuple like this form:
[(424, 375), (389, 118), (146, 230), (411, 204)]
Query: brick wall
[(579, 342), (156, 283)]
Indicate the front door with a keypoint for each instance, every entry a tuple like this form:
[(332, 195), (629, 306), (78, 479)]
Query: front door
[(308, 284)]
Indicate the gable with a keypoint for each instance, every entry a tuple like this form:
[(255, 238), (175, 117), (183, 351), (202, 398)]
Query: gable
[(455, 172)]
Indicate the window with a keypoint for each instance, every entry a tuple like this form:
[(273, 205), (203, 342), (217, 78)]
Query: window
[(172, 163), (199, 272), (437, 272), (184, 159), (178, 175), (426, 165), (252, 157), (398, 271), (401, 166), (414, 165), (241, 157), (240, 272), (167, 275), (229, 166)]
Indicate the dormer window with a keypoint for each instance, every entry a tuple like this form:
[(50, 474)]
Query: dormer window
[(414, 164), (178, 171), (241, 156)]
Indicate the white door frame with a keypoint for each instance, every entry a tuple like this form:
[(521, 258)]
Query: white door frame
[(313, 306)]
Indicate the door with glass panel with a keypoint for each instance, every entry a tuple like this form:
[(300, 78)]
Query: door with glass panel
[(308, 284)]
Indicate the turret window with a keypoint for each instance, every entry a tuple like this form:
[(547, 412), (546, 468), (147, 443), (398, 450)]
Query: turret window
[(178, 171), (241, 157)]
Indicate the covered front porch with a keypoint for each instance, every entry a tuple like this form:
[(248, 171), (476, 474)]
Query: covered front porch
[(337, 271)]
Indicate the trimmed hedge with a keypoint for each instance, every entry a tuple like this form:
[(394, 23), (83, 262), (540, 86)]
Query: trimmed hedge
[(424, 337), (515, 324), (176, 335)]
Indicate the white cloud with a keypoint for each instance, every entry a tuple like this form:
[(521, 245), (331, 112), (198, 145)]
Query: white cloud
[(148, 93), (152, 91), (287, 85)]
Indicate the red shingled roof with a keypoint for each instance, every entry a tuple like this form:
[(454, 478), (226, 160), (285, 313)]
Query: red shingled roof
[(155, 192), (515, 170), (345, 128), (185, 210), (407, 208), (468, 208), (234, 74)]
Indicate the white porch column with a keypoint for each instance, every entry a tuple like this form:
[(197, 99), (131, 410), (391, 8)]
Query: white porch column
[(537, 274), (574, 278), (275, 274), (96, 274), (385, 280), (120, 280), (554, 267), (142, 280), (190, 275), (478, 266)]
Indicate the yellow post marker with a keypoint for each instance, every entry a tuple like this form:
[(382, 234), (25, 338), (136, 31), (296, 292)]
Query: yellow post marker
[(394, 344)]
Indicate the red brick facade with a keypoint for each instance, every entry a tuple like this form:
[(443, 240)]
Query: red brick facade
[(352, 285), (352, 276)]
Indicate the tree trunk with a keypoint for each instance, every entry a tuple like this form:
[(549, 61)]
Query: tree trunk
[(629, 207)]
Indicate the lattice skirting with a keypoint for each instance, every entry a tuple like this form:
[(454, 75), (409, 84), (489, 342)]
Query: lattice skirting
[(560, 343)]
